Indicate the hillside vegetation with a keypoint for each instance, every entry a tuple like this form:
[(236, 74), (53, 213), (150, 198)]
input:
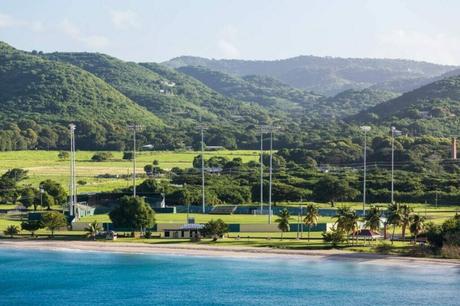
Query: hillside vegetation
[(432, 109), (39, 98), (324, 75)]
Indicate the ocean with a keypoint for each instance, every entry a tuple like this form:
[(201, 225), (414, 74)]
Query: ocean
[(94, 278)]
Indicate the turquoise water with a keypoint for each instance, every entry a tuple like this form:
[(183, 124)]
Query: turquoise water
[(92, 278)]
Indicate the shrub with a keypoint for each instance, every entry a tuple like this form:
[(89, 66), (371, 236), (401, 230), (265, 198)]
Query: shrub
[(63, 155), (383, 248), (451, 251), (334, 236), (101, 156)]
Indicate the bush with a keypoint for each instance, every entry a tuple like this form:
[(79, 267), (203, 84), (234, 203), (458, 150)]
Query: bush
[(148, 234), (82, 182), (63, 155), (383, 248), (335, 236), (101, 156), (451, 251), (128, 155)]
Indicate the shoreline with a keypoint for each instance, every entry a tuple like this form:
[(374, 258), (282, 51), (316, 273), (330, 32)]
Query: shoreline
[(242, 252)]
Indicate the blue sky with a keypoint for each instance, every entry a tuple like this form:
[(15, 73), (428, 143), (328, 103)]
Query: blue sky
[(143, 30)]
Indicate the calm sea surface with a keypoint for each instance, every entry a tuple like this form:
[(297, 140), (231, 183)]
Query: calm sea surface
[(92, 278)]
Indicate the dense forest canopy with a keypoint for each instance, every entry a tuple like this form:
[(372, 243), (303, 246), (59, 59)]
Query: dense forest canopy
[(42, 93), (324, 75)]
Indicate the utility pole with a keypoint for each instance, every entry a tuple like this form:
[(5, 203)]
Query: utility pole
[(392, 163), (365, 129), (73, 174), (270, 177), (301, 214), (134, 128), (261, 169), (203, 196)]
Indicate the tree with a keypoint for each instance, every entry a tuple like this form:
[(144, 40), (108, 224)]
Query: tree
[(63, 155), (394, 218), (416, 225), (311, 218), (330, 189), (405, 211), (101, 156), (53, 220), (11, 230), (31, 226), (28, 197), (93, 229), (215, 229), (372, 218), (47, 200), (148, 170), (128, 155), (16, 174), (283, 221), (132, 213), (334, 236), (347, 220), (55, 190)]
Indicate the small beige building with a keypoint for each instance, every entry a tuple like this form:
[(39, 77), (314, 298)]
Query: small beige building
[(186, 231)]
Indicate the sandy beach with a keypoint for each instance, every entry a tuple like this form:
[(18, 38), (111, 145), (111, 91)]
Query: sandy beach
[(222, 251)]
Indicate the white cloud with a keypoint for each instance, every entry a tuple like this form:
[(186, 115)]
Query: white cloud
[(439, 48), (227, 42), (125, 19), (91, 40), (7, 21)]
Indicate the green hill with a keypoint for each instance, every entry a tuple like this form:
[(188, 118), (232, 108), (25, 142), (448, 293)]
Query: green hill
[(285, 100), (265, 91), (324, 75), (406, 85), (352, 101), (39, 97), (431, 109)]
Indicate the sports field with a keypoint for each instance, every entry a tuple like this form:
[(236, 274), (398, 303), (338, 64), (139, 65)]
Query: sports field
[(46, 165)]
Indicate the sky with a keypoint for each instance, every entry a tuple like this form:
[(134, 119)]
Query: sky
[(154, 30)]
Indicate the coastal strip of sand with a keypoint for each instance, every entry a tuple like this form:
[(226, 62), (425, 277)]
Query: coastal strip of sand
[(189, 249)]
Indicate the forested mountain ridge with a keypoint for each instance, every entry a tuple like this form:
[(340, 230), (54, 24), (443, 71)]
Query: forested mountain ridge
[(265, 91), (165, 93), (323, 75), (39, 98), (432, 109), (406, 85), (271, 93)]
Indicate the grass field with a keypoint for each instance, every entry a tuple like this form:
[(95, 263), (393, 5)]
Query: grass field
[(46, 165)]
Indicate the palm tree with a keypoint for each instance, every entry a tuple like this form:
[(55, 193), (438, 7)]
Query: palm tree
[(11, 230), (372, 218), (405, 211), (93, 229), (311, 218), (347, 220), (416, 225), (283, 221), (394, 218)]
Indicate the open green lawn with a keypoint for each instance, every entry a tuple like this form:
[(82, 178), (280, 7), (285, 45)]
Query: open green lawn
[(203, 218), (46, 165)]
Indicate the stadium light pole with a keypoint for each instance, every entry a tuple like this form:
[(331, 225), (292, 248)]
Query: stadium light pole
[(261, 169), (392, 162), (394, 133), (365, 129), (203, 196), (270, 178), (134, 128), (72, 184)]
